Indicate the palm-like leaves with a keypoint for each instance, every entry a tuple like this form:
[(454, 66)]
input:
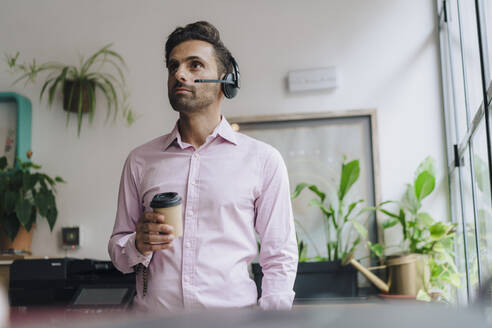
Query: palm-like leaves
[(81, 82), (343, 227)]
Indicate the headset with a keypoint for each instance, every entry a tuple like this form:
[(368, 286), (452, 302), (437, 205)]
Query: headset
[(230, 83)]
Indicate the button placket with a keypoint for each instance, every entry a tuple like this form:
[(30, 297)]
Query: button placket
[(190, 224)]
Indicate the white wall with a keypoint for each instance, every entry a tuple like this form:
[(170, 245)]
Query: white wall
[(386, 53)]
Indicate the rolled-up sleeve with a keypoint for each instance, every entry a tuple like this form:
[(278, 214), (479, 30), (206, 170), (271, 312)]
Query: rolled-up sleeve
[(275, 226), (121, 246)]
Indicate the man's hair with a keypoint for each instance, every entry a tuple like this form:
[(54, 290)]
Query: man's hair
[(203, 31)]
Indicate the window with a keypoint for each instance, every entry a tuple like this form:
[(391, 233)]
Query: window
[(465, 33)]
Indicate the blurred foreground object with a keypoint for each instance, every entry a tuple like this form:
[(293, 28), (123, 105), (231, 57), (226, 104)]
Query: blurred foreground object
[(378, 315), (484, 301), (4, 308)]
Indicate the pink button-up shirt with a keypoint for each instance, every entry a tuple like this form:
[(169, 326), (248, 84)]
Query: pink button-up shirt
[(232, 187)]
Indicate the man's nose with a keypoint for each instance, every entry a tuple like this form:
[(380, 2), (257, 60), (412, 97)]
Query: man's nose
[(180, 74)]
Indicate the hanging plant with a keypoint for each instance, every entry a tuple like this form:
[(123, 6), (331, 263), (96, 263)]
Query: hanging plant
[(102, 71)]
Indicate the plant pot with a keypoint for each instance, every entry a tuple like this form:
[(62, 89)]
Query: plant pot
[(407, 274), (319, 280), (73, 87), (21, 242)]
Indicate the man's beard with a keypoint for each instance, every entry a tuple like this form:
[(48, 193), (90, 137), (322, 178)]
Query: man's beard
[(190, 102)]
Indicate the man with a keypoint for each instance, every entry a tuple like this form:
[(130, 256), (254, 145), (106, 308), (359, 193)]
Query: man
[(232, 186)]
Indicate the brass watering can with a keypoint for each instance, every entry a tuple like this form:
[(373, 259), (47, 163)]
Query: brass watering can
[(406, 274)]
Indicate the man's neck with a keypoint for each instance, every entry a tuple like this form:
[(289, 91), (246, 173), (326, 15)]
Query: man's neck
[(195, 128)]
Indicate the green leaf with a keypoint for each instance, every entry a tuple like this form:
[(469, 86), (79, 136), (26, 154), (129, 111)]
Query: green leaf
[(356, 242), (112, 93), (9, 201), (34, 166), (361, 230), (44, 87), (424, 185), (69, 105), (455, 280), (3, 162), (313, 259), (423, 296), (43, 202), (16, 181), (28, 226), (23, 210), (79, 108), (92, 101), (351, 208), (29, 181), (377, 249), (302, 249), (428, 164), (425, 219), (388, 213), (47, 178), (350, 174), (315, 202), (52, 89), (319, 193), (298, 190), (116, 55), (403, 223), (390, 223), (11, 226), (318, 203), (88, 63), (410, 201), (366, 209), (106, 94), (51, 217), (438, 230), (60, 180)]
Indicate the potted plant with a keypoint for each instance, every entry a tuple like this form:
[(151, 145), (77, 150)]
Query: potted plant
[(423, 265), (23, 196), (101, 71), (344, 227)]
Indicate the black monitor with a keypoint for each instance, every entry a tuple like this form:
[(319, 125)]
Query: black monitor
[(117, 296)]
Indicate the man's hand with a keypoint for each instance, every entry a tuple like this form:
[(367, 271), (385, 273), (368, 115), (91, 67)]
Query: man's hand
[(153, 234)]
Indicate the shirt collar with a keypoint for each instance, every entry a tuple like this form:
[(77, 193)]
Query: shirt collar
[(224, 130)]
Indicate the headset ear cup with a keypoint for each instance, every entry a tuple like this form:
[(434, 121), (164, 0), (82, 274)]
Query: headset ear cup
[(229, 90)]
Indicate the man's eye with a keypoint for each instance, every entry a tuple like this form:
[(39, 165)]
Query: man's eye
[(196, 64)]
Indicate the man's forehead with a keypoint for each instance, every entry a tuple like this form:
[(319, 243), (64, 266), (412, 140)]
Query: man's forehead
[(192, 49)]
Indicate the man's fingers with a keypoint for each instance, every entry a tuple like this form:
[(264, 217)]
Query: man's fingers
[(156, 238), (155, 227), (166, 228), (153, 217), (155, 247)]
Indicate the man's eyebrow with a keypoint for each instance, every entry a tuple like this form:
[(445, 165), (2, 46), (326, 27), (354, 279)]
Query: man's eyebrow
[(186, 59), (193, 57)]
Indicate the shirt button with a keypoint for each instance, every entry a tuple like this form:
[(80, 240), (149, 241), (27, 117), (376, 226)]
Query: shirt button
[(187, 279), (190, 213), (188, 244), (195, 155)]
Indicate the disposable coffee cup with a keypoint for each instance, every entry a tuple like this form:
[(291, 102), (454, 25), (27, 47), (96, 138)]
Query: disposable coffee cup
[(169, 204)]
